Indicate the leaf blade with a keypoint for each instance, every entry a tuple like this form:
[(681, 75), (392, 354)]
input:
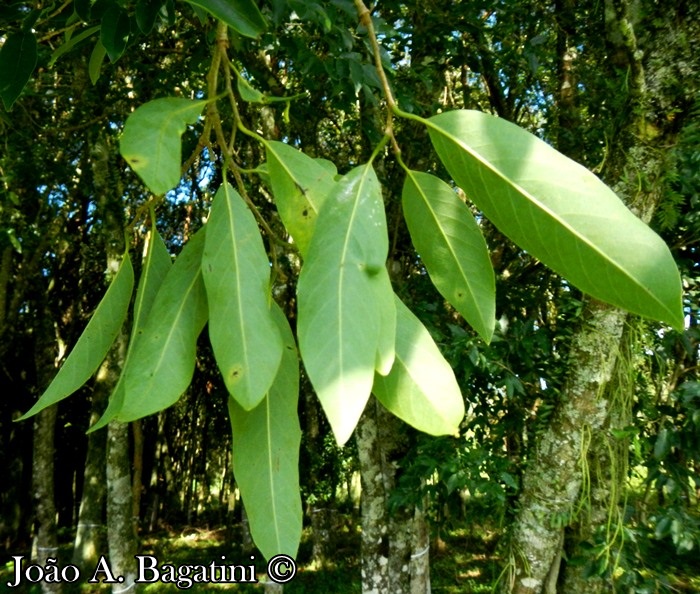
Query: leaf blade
[(452, 248), (151, 142), (94, 342), (236, 271), (242, 16), (338, 326), (266, 443), (156, 265), (18, 58), (421, 388), (560, 212), (300, 185), (163, 359)]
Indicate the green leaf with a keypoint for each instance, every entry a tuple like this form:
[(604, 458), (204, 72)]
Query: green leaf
[(452, 248), (559, 212), (300, 185), (151, 140), (421, 388), (96, 58), (242, 16), (384, 302), (266, 444), (236, 271), (162, 363), (156, 265), (339, 323), (71, 43), (94, 342), (18, 56), (146, 14), (114, 34)]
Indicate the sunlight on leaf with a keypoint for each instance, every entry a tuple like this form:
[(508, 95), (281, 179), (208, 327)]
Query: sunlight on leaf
[(452, 248), (559, 212), (421, 388), (236, 271), (339, 323)]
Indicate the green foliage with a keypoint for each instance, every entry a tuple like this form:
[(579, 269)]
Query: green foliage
[(236, 271), (243, 16), (18, 57), (300, 185), (94, 342), (156, 265), (421, 388), (559, 212), (162, 363), (339, 323), (151, 144), (453, 249), (266, 443)]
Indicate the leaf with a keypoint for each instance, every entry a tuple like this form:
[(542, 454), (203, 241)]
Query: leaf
[(559, 212), (339, 323), (96, 58), (421, 388), (266, 443), (242, 16), (156, 265), (300, 185), (114, 34), (452, 248), (236, 271), (71, 43), (162, 363), (146, 14), (384, 302), (18, 56), (94, 342), (151, 140)]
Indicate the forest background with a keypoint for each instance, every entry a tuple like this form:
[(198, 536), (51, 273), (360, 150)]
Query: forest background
[(576, 467)]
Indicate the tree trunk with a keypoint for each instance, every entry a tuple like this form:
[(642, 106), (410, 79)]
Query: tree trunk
[(552, 481), (120, 525), (420, 558), (90, 534), (386, 538), (45, 541)]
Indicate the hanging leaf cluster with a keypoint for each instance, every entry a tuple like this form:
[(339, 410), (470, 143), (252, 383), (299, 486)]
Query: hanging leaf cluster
[(355, 336)]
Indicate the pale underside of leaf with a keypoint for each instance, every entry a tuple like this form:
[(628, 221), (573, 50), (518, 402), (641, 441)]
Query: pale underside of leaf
[(236, 271), (452, 248), (156, 264), (559, 212), (163, 359), (421, 388), (151, 141), (300, 185), (95, 341), (266, 444), (339, 325)]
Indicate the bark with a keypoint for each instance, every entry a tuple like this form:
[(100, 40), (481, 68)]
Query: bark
[(386, 537), (45, 540), (120, 526), (420, 557), (90, 534), (45, 545), (552, 481)]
